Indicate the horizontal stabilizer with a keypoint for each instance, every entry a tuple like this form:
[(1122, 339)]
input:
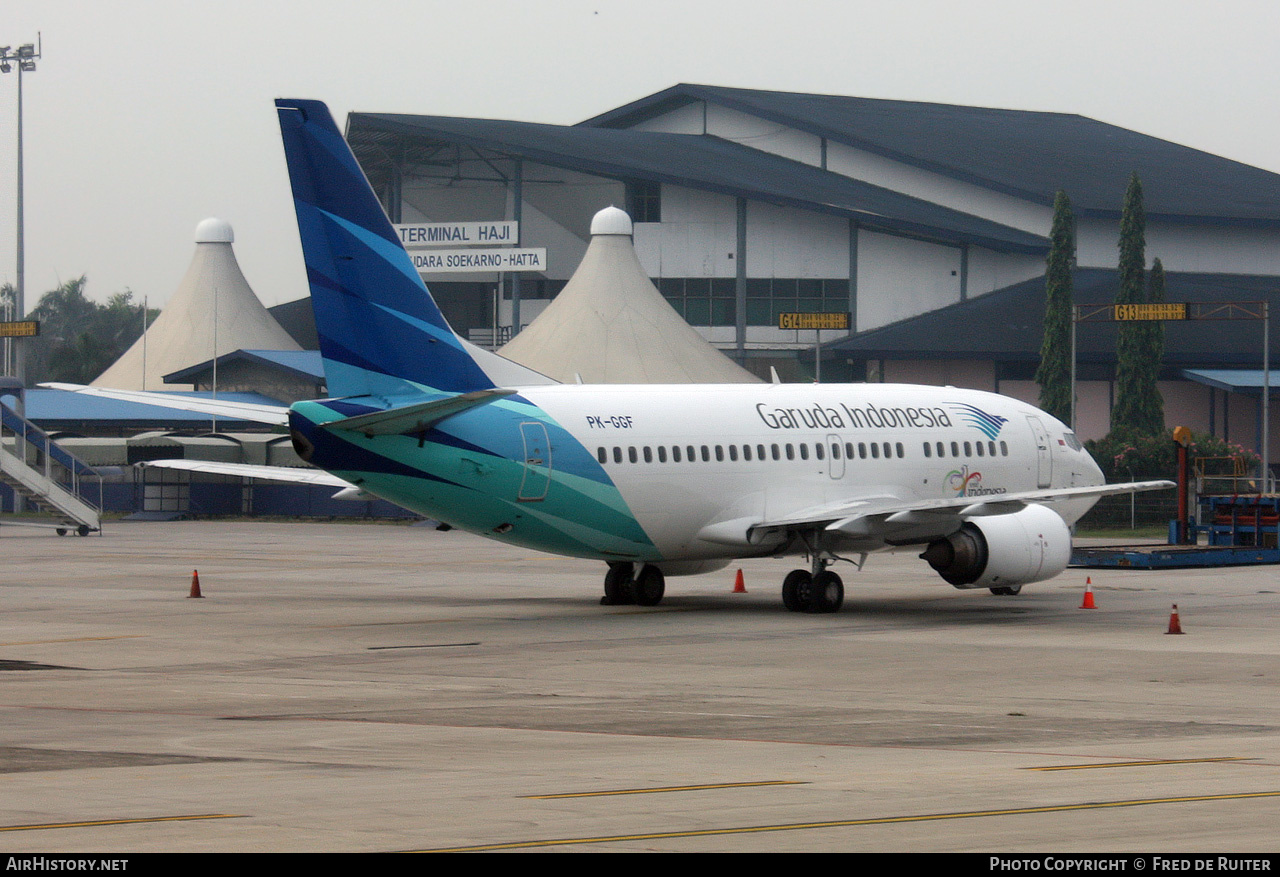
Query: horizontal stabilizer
[(418, 417)]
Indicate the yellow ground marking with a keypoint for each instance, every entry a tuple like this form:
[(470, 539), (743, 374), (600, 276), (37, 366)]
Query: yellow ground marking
[(40, 826), (667, 789), (78, 639), (847, 823), (1137, 763)]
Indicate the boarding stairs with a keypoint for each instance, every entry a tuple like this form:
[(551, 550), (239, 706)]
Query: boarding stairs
[(49, 477)]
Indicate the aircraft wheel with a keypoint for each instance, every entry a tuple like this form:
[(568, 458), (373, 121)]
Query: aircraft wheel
[(797, 590), (649, 586), (82, 530), (617, 585), (828, 592), (1007, 592)]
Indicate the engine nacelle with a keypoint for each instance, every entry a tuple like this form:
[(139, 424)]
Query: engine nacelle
[(1001, 551)]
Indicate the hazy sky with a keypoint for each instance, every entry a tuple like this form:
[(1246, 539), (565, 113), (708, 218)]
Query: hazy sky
[(146, 116)]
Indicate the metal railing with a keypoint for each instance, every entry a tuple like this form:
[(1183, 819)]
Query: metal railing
[(24, 440)]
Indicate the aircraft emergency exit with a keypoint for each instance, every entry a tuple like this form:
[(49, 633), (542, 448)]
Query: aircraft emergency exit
[(656, 481)]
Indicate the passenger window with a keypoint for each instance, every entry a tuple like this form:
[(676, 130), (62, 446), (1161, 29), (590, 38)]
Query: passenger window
[(887, 453), (617, 455), (662, 453), (902, 452), (928, 449), (777, 455), (875, 451), (942, 449), (631, 453), (733, 453), (648, 455), (746, 453), (719, 454), (862, 450), (706, 454), (1004, 449), (955, 449), (804, 451), (675, 453), (602, 455), (991, 449), (760, 453), (968, 451), (981, 449), (835, 451), (848, 450), (791, 452)]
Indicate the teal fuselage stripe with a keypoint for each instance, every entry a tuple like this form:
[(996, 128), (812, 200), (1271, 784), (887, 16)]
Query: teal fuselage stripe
[(470, 471)]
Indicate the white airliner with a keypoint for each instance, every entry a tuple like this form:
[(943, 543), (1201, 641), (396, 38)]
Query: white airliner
[(653, 480)]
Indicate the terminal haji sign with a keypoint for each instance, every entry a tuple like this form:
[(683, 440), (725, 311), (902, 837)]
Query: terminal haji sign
[(425, 242)]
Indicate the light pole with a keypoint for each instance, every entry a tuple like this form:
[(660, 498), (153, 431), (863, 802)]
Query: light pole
[(24, 60)]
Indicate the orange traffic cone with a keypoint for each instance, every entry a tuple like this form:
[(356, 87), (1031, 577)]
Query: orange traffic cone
[(1175, 626), (195, 584), (1088, 594), (739, 586)]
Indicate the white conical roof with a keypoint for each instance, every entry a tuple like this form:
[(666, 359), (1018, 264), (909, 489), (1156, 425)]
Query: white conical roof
[(610, 325), (213, 301)]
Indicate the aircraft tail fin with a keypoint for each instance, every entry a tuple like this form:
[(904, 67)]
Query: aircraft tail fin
[(380, 331)]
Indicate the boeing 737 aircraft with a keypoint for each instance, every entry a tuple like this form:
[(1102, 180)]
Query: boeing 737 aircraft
[(655, 481)]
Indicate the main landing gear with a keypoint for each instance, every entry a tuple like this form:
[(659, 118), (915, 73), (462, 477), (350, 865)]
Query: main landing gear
[(624, 587), (819, 591)]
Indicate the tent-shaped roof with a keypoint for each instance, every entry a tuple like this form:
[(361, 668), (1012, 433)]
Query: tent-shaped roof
[(610, 325), (213, 303)]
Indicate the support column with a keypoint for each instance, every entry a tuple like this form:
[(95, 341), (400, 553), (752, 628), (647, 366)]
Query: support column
[(517, 187), (853, 277), (740, 286)]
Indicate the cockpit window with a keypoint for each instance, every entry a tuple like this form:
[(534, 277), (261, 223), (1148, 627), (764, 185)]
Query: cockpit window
[(1073, 442)]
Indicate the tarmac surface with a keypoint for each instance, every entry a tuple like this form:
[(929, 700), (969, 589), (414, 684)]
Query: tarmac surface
[(344, 687)]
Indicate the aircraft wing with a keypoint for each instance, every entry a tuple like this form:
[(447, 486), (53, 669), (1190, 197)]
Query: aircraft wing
[(883, 516), (248, 470), (272, 414)]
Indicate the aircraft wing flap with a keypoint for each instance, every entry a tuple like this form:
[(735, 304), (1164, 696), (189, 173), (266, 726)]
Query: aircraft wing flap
[(418, 416)]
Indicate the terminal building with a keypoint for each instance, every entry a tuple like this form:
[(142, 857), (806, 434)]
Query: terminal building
[(923, 226), (928, 224)]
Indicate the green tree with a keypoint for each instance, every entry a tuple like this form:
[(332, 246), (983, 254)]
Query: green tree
[(1138, 408), (80, 338), (1155, 346), (1054, 373)]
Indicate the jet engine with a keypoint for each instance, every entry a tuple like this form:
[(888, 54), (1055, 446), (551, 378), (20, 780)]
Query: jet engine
[(1003, 551)]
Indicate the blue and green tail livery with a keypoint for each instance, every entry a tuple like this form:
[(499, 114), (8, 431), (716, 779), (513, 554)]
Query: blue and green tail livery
[(380, 331), (415, 418)]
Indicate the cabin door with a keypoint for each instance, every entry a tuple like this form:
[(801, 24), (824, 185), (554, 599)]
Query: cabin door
[(537, 462), (1044, 459)]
